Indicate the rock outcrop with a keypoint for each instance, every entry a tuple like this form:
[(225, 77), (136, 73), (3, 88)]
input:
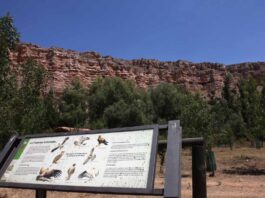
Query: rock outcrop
[(65, 65)]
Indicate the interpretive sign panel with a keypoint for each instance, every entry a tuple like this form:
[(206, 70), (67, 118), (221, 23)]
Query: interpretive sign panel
[(106, 159)]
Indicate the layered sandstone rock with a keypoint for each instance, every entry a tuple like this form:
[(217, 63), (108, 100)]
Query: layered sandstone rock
[(65, 65)]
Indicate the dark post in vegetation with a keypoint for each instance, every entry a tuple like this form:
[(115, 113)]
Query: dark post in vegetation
[(198, 172)]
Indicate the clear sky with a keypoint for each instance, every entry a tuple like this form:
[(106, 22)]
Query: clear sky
[(225, 31)]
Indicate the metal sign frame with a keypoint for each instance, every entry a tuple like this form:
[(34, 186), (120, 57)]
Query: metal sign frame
[(114, 190), (173, 144)]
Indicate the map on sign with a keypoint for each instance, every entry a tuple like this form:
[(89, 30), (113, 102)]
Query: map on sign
[(116, 159)]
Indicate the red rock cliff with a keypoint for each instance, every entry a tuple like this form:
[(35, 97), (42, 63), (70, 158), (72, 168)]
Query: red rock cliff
[(64, 65)]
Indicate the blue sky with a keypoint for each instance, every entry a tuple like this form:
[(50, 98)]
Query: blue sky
[(225, 31)]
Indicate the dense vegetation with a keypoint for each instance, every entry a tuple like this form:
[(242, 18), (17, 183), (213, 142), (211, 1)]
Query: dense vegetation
[(28, 105)]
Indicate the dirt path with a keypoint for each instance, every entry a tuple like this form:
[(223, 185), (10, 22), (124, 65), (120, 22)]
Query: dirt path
[(239, 161)]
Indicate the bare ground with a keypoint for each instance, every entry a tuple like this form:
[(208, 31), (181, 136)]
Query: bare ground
[(240, 174)]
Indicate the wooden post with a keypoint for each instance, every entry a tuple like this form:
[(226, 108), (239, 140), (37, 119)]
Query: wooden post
[(198, 172), (40, 193)]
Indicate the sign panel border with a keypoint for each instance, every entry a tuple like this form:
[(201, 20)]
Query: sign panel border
[(151, 172)]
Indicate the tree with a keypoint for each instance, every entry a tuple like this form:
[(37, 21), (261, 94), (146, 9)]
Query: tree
[(195, 117), (173, 103), (9, 38), (24, 106), (262, 109), (51, 113), (114, 102), (122, 114), (166, 99), (227, 122), (229, 94), (251, 108), (74, 105), (31, 102)]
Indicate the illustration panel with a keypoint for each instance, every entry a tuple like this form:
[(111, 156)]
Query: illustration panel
[(117, 159)]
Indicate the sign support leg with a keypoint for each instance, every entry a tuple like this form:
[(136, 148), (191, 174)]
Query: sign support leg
[(173, 161), (198, 172), (40, 193)]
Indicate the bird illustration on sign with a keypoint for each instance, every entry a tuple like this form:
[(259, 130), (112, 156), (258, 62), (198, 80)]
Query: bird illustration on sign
[(91, 156), (60, 145), (57, 157), (70, 171), (47, 174), (102, 140), (89, 174), (81, 141)]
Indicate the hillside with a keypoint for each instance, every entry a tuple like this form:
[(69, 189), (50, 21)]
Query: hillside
[(64, 65)]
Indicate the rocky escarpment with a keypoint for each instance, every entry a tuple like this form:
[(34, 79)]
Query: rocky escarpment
[(65, 65)]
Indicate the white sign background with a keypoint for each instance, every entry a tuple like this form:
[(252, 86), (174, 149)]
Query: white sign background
[(123, 162)]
